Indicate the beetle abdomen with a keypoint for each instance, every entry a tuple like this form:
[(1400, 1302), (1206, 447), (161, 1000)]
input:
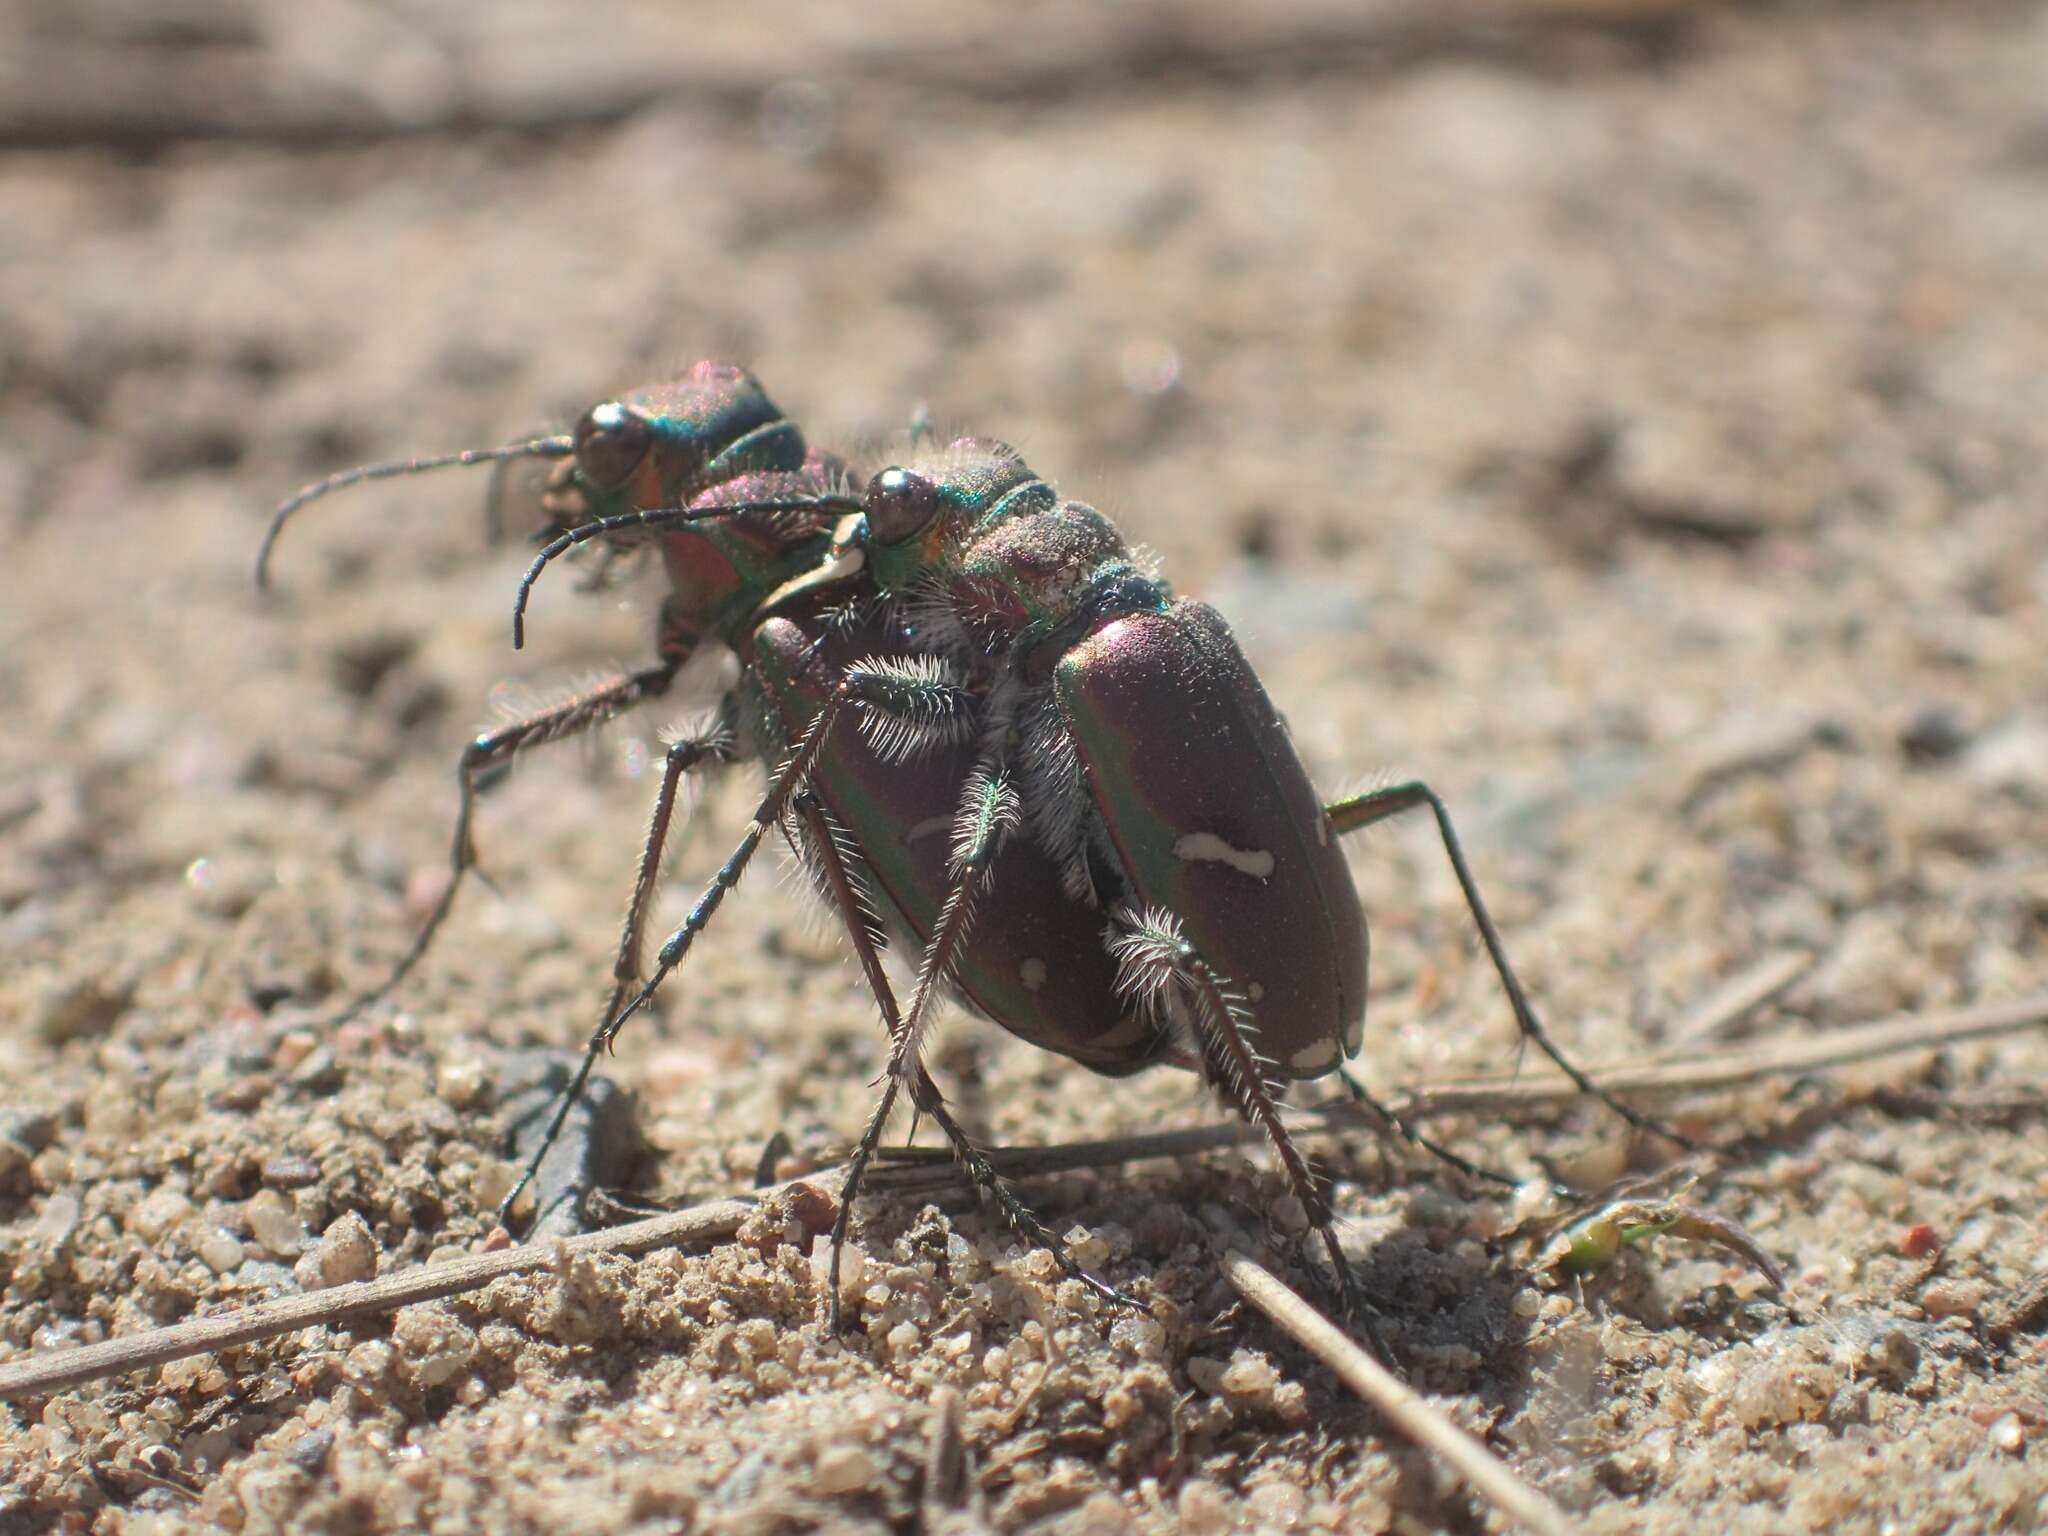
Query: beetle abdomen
[(1212, 818)]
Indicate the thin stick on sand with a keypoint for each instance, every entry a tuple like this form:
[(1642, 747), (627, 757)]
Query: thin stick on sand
[(1406, 1411)]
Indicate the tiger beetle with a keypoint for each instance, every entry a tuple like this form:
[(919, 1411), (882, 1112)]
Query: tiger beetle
[(1068, 793)]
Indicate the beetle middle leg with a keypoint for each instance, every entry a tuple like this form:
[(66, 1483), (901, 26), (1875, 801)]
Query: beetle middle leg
[(685, 754), (1361, 811)]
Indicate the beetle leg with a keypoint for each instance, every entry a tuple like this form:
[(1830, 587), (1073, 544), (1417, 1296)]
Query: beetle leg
[(1406, 1132), (570, 717), (684, 754), (826, 843), (1361, 811), (1160, 964), (989, 813)]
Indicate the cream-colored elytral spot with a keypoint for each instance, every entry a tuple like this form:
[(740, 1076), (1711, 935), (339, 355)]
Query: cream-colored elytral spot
[(1207, 847), (1311, 1059)]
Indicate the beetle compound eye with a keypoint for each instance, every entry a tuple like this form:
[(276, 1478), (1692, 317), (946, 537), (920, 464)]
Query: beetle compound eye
[(899, 502), (611, 441)]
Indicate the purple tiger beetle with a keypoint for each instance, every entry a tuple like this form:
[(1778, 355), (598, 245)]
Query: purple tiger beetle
[(1065, 789)]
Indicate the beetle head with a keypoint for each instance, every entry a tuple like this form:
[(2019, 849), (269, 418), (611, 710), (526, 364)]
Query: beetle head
[(657, 447)]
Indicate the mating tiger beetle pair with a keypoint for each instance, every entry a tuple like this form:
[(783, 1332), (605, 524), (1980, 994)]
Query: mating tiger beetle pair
[(994, 739)]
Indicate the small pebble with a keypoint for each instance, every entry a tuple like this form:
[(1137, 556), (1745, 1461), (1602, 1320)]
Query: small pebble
[(1086, 1248), (460, 1081), (1250, 1378), (157, 1212), (843, 1469), (346, 1252), (433, 1347), (293, 1048), (289, 1171), (1919, 1241), (274, 1224), (219, 1249), (58, 1219), (1953, 1298), (2008, 1434)]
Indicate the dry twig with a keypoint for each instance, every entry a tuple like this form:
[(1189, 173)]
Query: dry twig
[(1741, 995), (1404, 1409)]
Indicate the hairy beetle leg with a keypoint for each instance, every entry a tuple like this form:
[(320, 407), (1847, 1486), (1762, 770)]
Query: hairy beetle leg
[(1360, 811), (990, 816), (493, 749), (1159, 961)]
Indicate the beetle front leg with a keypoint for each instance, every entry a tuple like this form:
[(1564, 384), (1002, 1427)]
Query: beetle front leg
[(1360, 811), (570, 717)]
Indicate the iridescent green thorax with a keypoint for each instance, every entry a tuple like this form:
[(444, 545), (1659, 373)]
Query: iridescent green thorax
[(995, 550)]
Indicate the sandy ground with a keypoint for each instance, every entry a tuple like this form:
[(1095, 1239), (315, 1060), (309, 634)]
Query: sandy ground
[(1630, 419)]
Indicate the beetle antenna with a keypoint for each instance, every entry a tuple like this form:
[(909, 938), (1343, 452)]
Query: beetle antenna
[(653, 518), (551, 447)]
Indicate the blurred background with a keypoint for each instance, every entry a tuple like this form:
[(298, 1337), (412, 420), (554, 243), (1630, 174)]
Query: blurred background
[(1626, 414)]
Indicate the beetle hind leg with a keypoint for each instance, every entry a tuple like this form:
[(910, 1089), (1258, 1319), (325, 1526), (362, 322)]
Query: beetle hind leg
[(1361, 811), (1163, 971), (1402, 1130)]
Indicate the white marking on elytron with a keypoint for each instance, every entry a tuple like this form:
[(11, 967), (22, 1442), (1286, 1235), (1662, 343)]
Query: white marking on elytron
[(1208, 847), (1354, 1033), (1032, 974), (1255, 992), (929, 826), (1312, 1059)]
